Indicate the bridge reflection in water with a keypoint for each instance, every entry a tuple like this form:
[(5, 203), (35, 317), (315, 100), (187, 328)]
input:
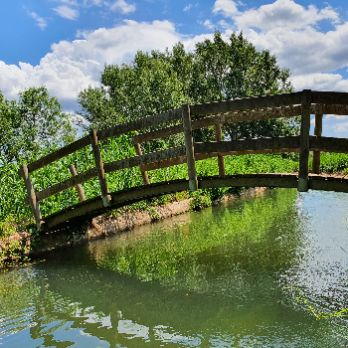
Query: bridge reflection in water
[(185, 120)]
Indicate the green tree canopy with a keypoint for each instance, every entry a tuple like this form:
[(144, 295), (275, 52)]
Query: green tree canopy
[(216, 70), (32, 124)]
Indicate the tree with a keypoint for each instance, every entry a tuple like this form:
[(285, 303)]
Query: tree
[(32, 124), (216, 70)]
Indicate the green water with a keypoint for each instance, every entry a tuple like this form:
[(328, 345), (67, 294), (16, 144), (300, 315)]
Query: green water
[(270, 271)]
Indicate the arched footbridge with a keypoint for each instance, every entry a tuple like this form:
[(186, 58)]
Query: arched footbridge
[(184, 121)]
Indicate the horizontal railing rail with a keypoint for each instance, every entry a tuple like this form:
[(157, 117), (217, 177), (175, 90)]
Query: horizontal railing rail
[(185, 121)]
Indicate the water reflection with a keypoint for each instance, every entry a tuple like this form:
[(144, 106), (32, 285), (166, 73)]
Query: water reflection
[(227, 277)]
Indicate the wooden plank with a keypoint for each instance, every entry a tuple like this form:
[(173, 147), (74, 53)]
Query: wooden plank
[(56, 155), (146, 122), (175, 161), (157, 134), (317, 133), (250, 180), (336, 109), (71, 182), (34, 204), (100, 167), (232, 117), (322, 183), (190, 151), (144, 159), (79, 188), (220, 157), (329, 97), (328, 144), (90, 207), (304, 142), (95, 207), (280, 144), (247, 103), (144, 175)]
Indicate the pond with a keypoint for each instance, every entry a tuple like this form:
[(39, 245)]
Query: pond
[(270, 271)]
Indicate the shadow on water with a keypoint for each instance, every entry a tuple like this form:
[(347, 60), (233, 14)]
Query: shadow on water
[(253, 273)]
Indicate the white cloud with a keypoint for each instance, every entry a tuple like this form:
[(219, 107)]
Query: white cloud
[(285, 14), (122, 6), (67, 12), (208, 24), (293, 33), (72, 66), (227, 8), (320, 81), (40, 21)]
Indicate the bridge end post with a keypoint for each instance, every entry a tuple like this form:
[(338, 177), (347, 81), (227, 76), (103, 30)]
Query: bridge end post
[(190, 151), (31, 196), (304, 141)]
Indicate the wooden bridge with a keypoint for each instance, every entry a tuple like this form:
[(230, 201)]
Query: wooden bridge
[(185, 120)]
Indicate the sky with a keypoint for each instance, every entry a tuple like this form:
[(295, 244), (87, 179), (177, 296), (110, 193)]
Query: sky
[(65, 44)]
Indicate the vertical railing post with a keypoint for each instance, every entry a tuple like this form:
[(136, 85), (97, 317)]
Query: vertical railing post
[(317, 132), (144, 175), (218, 137), (190, 151), (79, 188), (100, 168), (34, 204), (304, 141)]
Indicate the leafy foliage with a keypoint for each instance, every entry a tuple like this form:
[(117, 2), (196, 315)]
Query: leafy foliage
[(30, 125), (217, 70)]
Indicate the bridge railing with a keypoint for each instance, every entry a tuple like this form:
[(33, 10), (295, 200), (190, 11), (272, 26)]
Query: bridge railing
[(192, 117)]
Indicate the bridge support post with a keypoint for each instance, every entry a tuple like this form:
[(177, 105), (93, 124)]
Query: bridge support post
[(79, 188), (100, 167), (317, 132), (190, 151), (304, 141), (218, 137), (34, 204), (144, 175)]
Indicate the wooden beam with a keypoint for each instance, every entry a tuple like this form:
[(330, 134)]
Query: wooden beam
[(329, 97), (71, 182), (144, 174), (58, 154), (304, 142), (269, 145), (79, 188), (246, 103), (95, 207), (327, 183), (31, 195), (328, 144), (317, 133), (142, 123), (190, 151), (100, 167), (250, 180), (145, 159)]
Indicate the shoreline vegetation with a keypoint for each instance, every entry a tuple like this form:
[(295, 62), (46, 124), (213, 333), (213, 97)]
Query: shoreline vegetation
[(217, 69)]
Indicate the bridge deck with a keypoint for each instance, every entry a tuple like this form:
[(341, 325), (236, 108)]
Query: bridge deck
[(187, 150), (94, 207)]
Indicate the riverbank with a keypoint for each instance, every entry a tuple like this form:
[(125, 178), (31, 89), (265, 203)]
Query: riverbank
[(19, 247)]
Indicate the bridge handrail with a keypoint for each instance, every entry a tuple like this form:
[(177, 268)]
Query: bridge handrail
[(195, 117)]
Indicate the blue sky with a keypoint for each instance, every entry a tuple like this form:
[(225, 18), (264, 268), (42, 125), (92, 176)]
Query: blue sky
[(64, 44)]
